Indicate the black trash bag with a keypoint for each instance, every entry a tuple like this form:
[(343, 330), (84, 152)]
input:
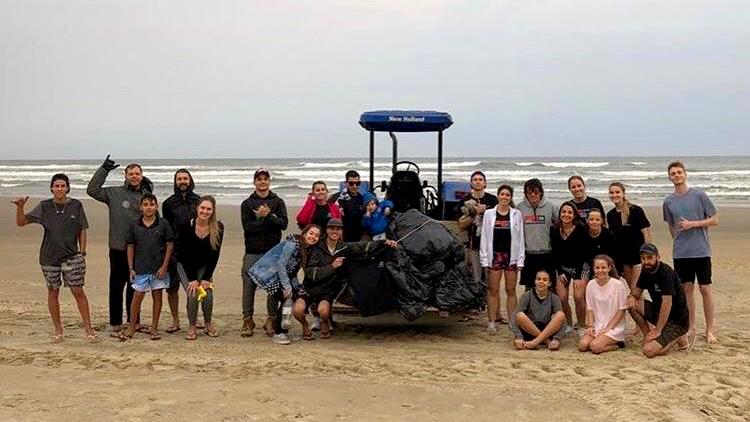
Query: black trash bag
[(426, 240), (413, 289), (430, 268), (371, 285), (454, 292)]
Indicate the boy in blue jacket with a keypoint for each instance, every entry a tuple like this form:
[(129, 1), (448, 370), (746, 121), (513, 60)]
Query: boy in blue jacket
[(377, 216)]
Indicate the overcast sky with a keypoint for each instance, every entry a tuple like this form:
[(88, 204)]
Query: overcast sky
[(172, 79)]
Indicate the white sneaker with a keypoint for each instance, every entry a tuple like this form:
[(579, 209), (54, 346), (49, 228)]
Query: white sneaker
[(281, 338), (567, 330), (491, 328)]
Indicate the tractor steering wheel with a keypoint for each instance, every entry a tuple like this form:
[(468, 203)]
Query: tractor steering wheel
[(409, 165)]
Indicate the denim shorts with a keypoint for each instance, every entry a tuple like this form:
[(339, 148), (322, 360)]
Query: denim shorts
[(146, 282)]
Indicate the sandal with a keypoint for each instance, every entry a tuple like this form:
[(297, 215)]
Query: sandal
[(57, 338), (124, 335), (143, 329), (308, 336), (172, 329), (155, 335), (92, 337), (211, 333), (326, 334), (190, 335)]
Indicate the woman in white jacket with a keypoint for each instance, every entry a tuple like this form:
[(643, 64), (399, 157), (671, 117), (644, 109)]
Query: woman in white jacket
[(501, 253)]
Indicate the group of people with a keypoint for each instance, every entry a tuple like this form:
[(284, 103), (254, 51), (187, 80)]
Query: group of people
[(606, 258)]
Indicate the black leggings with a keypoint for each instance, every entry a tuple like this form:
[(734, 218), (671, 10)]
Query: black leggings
[(119, 279)]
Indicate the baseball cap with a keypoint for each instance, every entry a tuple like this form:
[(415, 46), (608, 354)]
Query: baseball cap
[(261, 170), (649, 249), (335, 222)]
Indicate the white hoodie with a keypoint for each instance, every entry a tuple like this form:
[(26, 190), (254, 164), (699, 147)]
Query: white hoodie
[(517, 243)]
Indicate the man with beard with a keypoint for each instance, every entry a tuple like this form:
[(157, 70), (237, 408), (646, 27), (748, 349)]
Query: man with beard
[(178, 210), (663, 319), (123, 203)]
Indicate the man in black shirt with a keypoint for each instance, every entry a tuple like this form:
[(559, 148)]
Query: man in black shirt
[(178, 210), (264, 217), (664, 319), (352, 205)]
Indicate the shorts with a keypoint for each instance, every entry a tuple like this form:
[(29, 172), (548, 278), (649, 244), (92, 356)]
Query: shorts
[(688, 269), (528, 337), (572, 273), (532, 264), (147, 282), (672, 330), (501, 262), (72, 272)]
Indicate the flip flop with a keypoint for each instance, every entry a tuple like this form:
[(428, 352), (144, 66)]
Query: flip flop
[(143, 329), (190, 336), (308, 336), (57, 338), (155, 335), (326, 334), (211, 333), (172, 329), (124, 336), (93, 338)]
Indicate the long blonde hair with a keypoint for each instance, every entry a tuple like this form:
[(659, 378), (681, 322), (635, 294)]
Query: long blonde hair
[(214, 231), (625, 208)]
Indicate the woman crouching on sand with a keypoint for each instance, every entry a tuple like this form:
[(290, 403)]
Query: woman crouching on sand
[(606, 304), (501, 252), (538, 317), (276, 271), (198, 247)]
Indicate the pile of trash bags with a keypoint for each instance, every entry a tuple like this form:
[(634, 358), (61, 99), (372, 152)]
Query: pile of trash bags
[(427, 269)]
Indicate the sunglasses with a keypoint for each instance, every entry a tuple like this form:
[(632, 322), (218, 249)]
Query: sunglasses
[(357, 183)]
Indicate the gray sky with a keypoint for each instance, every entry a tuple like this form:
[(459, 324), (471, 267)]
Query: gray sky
[(171, 79)]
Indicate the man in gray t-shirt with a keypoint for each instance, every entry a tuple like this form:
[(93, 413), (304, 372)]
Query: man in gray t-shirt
[(689, 213), (63, 249)]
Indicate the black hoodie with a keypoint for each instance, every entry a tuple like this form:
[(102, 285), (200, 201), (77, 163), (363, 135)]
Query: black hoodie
[(263, 234), (180, 208)]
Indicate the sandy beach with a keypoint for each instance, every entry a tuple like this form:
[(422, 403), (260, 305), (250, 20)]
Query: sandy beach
[(380, 368)]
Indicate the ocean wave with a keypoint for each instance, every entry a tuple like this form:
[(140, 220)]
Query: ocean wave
[(307, 164), (638, 163), (583, 164)]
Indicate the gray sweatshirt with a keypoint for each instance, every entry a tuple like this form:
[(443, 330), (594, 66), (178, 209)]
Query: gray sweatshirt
[(539, 311), (537, 223), (123, 203)]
